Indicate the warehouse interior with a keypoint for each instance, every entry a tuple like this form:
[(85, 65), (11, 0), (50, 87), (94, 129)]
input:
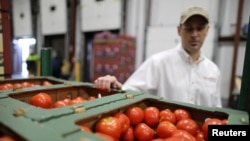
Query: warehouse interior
[(149, 26), (52, 51)]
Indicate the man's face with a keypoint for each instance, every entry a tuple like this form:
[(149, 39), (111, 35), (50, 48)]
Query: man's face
[(193, 33)]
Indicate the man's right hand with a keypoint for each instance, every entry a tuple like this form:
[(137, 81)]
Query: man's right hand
[(107, 82)]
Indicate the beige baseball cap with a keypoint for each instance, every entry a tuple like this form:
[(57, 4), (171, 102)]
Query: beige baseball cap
[(193, 10)]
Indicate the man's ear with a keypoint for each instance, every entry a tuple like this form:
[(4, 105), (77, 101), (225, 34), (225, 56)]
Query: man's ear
[(179, 29)]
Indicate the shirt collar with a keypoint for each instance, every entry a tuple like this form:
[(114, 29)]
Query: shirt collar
[(187, 57)]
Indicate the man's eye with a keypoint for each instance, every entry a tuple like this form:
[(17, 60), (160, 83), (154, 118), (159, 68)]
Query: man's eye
[(189, 29)]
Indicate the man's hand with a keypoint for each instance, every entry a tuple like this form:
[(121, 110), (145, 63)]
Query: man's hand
[(107, 82)]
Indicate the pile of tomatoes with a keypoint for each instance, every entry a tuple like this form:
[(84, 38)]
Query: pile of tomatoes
[(152, 124), (44, 100), (25, 84)]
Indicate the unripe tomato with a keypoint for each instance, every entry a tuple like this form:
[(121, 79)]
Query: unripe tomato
[(42, 100)]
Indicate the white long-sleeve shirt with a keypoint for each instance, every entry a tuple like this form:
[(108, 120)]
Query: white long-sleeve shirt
[(172, 75)]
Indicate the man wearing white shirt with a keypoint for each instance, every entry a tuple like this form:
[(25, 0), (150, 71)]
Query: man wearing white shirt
[(182, 73)]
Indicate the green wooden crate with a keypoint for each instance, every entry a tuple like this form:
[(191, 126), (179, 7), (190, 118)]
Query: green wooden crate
[(19, 84), (91, 116), (19, 100)]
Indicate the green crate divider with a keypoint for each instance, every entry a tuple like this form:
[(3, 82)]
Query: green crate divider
[(23, 129)]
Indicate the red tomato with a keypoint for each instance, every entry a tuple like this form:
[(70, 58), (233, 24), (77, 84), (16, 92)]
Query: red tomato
[(109, 125), (181, 114), (210, 121), (26, 84), (200, 136), (135, 115), (3, 87), (58, 104), (188, 125), (105, 136), (77, 100), (6, 86), (176, 138), (168, 115), (46, 83), (224, 121), (157, 139), (128, 135), (143, 132), (85, 128), (9, 85), (67, 101), (6, 138), (42, 100), (151, 116), (184, 135), (125, 122), (91, 98), (165, 129), (17, 85)]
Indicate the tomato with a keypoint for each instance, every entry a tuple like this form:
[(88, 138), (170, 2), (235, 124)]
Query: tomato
[(181, 114), (105, 136), (109, 125), (3, 87), (46, 83), (176, 138), (125, 122), (91, 98), (143, 132), (157, 139), (165, 129), (224, 121), (42, 100), (17, 85), (151, 116), (6, 138), (168, 115), (135, 115), (59, 104), (128, 135), (85, 128), (67, 101), (210, 121), (200, 136), (188, 125), (26, 84), (6, 86), (9, 85), (77, 100), (184, 135)]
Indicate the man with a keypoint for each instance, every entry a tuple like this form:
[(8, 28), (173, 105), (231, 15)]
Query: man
[(182, 73)]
